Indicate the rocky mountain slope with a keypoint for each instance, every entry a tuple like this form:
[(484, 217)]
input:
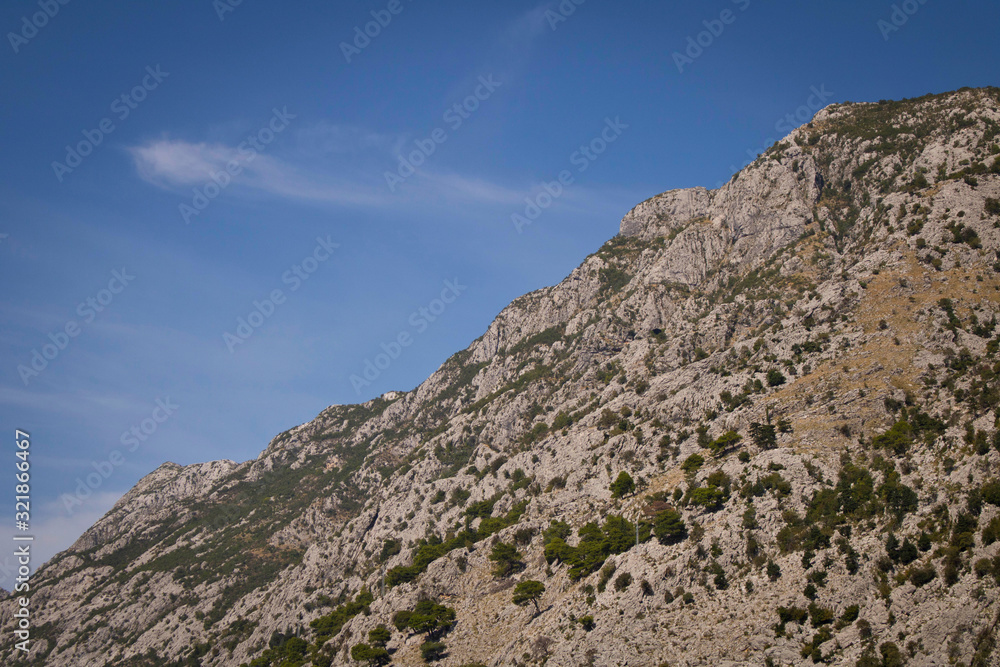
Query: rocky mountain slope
[(798, 372)]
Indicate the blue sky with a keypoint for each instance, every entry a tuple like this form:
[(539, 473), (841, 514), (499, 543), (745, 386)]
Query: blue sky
[(309, 128)]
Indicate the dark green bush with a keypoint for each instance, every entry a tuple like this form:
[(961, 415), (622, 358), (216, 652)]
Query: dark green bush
[(920, 576), (668, 526), (693, 463), (433, 651)]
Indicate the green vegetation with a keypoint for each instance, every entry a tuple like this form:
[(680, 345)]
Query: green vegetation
[(290, 650), (724, 442), (616, 536), (373, 653), (623, 485), (427, 618), (613, 280), (763, 436), (529, 591), (430, 549), (507, 559), (669, 527), (775, 378), (788, 615), (693, 463)]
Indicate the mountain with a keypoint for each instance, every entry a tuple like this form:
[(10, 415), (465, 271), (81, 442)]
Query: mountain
[(797, 374)]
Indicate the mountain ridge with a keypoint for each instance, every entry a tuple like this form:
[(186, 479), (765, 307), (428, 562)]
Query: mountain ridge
[(712, 312)]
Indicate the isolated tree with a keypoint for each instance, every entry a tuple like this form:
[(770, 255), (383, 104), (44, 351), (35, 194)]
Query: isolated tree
[(431, 619), (668, 526), (622, 486), (529, 591), (507, 559), (763, 435), (775, 378), (725, 441)]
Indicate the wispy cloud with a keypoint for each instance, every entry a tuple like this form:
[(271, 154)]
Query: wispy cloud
[(177, 163), (316, 174), (527, 27)]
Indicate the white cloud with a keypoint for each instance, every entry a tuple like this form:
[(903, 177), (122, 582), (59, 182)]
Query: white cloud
[(172, 163)]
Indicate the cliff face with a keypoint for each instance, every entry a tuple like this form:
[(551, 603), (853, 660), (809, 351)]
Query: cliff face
[(803, 364)]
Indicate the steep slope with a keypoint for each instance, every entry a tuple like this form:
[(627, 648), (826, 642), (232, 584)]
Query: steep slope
[(802, 364)]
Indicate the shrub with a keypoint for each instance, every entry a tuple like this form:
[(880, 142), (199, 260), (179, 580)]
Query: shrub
[(897, 439), (775, 378), (850, 614), (607, 572), (432, 651), (820, 615), (561, 421), (587, 622), (608, 419), (693, 463), (773, 570), (791, 615), (373, 655), (623, 581), (709, 497), (991, 533), (390, 548), (891, 657), (992, 205), (507, 559), (920, 576), (990, 492), (720, 580), (524, 535)]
